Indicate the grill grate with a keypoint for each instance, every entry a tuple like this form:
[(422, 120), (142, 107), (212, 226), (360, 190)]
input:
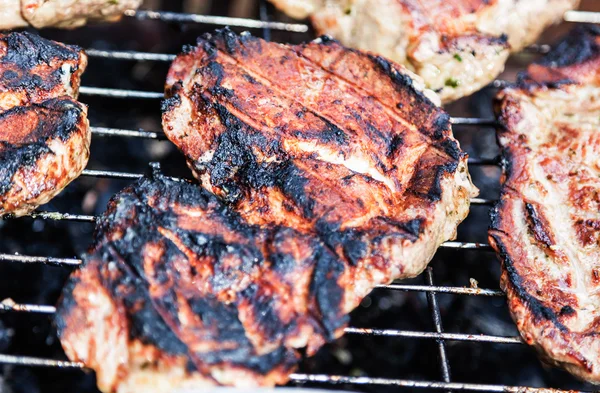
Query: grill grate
[(430, 288)]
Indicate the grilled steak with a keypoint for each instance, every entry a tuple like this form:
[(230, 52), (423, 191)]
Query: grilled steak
[(325, 140), (179, 291), (60, 13), (44, 133), (456, 46), (546, 227)]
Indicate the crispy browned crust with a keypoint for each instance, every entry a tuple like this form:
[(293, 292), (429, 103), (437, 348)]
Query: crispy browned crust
[(33, 69), (546, 228), (323, 139), (47, 148), (214, 299), (44, 132)]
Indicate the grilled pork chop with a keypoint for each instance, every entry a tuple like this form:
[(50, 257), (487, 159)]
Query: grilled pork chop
[(456, 46), (44, 133), (546, 227), (179, 291), (331, 177), (60, 13), (325, 140)]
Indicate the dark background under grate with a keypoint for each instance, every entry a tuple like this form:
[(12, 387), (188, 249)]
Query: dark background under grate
[(390, 354)]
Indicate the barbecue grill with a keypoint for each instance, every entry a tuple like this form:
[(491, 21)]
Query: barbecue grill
[(135, 78)]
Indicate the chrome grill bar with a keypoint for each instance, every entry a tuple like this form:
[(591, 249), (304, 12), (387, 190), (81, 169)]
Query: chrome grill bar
[(582, 16), (130, 55), (437, 322), (119, 93), (312, 378), (217, 20), (104, 131), (9, 305), (338, 380)]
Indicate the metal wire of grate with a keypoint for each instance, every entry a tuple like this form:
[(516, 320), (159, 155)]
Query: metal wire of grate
[(429, 288)]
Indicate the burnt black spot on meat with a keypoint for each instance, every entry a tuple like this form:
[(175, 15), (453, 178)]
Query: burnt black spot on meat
[(231, 40), (24, 52), (12, 158), (221, 320), (441, 125), (577, 47), (495, 216), (351, 241), (538, 310), (264, 311), (411, 229), (331, 133), (250, 79), (222, 326), (372, 132), (435, 192), (428, 186), (234, 165), (537, 225), (220, 91), (327, 40), (328, 293), (235, 168), (567, 310), (402, 80), (28, 50), (282, 263), (216, 70), (168, 104), (188, 49), (56, 118), (415, 227), (10, 74), (224, 275), (395, 143), (450, 146), (291, 180), (146, 324)]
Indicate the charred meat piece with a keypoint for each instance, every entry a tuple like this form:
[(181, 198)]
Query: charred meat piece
[(180, 291), (456, 46), (60, 13), (333, 172), (546, 227), (44, 132), (325, 140)]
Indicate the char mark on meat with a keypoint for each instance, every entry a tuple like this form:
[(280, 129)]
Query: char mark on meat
[(545, 226)]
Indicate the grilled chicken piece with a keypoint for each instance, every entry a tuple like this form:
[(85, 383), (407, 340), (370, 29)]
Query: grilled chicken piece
[(325, 140), (546, 227), (44, 132), (61, 13), (456, 46), (179, 291)]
